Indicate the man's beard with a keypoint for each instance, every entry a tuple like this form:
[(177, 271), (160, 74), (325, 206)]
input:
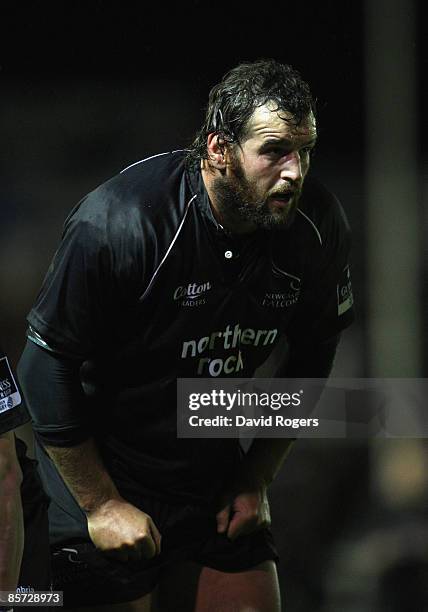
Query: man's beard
[(240, 208)]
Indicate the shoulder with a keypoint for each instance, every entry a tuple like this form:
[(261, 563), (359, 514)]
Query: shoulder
[(159, 165), (131, 202)]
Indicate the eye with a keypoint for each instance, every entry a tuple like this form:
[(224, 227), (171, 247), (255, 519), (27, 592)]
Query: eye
[(275, 152)]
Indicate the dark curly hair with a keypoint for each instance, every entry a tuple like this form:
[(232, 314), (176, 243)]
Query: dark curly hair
[(232, 102)]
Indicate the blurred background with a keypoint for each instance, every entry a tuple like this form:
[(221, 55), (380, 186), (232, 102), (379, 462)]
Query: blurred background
[(89, 88)]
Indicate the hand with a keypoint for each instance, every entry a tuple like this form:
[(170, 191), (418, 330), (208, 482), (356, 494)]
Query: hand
[(123, 531), (245, 513)]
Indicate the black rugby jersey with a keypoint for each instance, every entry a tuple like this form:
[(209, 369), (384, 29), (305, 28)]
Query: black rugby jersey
[(146, 287)]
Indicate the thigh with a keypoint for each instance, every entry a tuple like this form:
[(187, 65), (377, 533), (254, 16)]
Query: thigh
[(144, 604), (190, 587)]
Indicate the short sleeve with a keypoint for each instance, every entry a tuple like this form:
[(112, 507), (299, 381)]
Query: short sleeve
[(96, 267), (326, 304)]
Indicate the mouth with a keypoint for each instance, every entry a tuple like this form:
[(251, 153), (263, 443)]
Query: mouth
[(281, 200)]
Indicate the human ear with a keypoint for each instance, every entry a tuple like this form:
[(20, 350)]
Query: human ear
[(216, 151)]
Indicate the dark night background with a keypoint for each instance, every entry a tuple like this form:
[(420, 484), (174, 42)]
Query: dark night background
[(87, 89)]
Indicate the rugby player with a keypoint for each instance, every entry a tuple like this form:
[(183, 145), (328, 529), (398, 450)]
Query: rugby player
[(186, 264)]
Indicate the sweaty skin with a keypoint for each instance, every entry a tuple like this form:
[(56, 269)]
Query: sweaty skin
[(115, 526), (258, 182)]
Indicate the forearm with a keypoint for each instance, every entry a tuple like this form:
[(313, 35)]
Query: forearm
[(114, 525), (307, 359), (11, 517), (84, 473)]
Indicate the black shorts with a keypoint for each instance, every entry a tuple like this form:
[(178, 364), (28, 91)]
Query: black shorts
[(189, 533)]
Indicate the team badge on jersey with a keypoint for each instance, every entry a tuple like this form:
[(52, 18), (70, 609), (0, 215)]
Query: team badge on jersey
[(287, 293), (345, 299), (9, 394)]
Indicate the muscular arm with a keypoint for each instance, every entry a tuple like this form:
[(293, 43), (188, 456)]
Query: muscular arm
[(84, 474), (246, 506), (11, 517), (306, 360), (115, 526), (57, 404)]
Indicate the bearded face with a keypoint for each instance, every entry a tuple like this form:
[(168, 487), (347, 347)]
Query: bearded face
[(262, 181), (242, 200)]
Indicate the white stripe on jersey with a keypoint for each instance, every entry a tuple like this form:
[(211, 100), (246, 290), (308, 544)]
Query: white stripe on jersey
[(312, 223), (169, 248), (151, 157)]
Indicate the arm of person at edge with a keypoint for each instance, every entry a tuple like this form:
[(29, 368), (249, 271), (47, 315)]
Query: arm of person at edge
[(245, 506), (115, 526), (11, 516)]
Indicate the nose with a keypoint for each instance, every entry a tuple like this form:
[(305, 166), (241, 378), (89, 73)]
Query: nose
[(292, 167)]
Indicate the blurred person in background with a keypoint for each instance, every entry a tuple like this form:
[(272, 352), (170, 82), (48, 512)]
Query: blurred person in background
[(24, 538), (186, 264)]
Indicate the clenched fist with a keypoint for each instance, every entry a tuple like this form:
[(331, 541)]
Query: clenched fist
[(243, 513), (123, 531)]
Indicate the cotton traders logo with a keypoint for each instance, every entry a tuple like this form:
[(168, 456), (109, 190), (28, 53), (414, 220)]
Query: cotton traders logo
[(192, 294)]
